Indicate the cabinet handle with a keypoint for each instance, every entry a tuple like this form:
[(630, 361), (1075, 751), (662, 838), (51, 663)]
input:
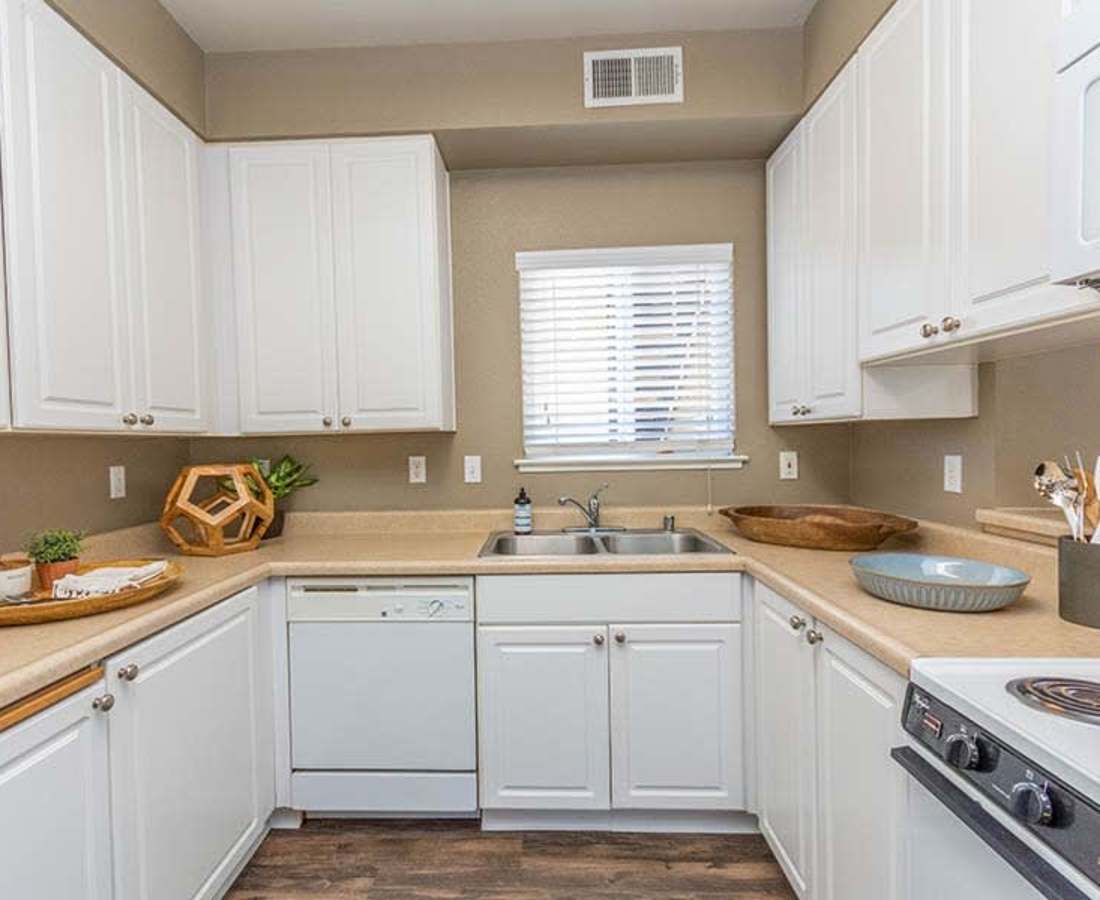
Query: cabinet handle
[(103, 703), (346, 421), (130, 419), (327, 421), (598, 640), (129, 673), (813, 636), (798, 623), (620, 638), (928, 330), (950, 323), (147, 419)]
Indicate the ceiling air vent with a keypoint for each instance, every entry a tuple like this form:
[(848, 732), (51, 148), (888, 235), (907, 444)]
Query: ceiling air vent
[(632, 77)]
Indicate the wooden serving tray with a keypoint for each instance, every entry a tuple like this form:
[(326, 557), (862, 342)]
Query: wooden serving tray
[(817, 527), (43, 608)]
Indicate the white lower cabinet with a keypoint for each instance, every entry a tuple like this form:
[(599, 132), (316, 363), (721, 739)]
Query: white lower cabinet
[(55, 823), (676, 728), (544, 717), (830, 800), (192, 781)]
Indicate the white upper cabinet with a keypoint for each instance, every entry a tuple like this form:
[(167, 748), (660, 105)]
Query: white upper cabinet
[(1075, 191), (63, 221), (101, 216), (55, 830), (392, 284), (1004, 87), (282, 248), (5, 383), (904, 180), (829, 303), (677, 740), (342, 283), (164, 285)]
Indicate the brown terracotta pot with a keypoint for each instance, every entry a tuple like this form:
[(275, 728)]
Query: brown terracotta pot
[(48, 573)]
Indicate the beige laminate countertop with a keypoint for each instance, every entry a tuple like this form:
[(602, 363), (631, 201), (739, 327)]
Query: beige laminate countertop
[(418, 544)]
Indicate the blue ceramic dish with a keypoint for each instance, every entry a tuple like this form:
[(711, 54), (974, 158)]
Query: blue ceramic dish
[(948, 583)]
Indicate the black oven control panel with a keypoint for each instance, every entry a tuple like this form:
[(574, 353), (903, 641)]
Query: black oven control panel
[(1052, 811)]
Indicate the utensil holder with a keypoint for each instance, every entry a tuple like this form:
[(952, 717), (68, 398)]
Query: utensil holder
[(1079, 582)]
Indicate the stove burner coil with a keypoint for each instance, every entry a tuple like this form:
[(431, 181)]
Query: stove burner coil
[(1068, 697)]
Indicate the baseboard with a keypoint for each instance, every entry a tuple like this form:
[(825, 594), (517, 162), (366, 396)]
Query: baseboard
[(389, 816), (285, 819), (234, 872), (621, 820)]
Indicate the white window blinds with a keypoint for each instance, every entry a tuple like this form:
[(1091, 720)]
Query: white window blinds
[(628, 354)]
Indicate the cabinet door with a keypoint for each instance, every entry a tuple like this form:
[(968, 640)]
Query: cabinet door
[(388, 283), (167, 322), (543, 722), (829, 301), (5, 383), (1075, 200), (860, 789), (191, 754), (677, 740), (63, 218), (903, 130), (56, 824), (1004, 90), (282, 258), (785, 735), (786, 203)]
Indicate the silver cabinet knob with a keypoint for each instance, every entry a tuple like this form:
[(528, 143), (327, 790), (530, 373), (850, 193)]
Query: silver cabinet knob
[(620, 638), (795, 410), (798, 623), (147, 419), (805, 411), (950, 323), (103, 703), (813, 636), (346, 421), (130, 419), (327, 421), (928, 330), (129, 673), (598, 640)]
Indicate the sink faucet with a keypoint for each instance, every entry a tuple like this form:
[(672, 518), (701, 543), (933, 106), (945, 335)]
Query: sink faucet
[(591, 509)]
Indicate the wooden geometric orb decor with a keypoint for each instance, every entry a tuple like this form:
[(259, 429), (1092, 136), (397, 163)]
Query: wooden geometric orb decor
[(217, 509)]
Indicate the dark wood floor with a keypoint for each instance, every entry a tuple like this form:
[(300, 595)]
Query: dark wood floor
[(343, 859)]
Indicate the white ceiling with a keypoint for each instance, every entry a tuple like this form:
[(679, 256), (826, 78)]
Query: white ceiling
[(225, 25)]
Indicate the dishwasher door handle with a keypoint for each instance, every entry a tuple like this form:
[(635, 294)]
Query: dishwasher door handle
[(1040, 874)]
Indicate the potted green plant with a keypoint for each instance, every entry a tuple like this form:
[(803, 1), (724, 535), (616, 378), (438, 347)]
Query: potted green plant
[(283, 478), (55, 553)]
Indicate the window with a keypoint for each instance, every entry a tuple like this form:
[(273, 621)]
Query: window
[(627, 357)]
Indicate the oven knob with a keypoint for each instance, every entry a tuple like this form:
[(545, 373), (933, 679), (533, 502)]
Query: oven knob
[(1031, 803), (960, 751)]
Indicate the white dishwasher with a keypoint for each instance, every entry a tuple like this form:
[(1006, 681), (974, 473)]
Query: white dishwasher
[(382, 709)]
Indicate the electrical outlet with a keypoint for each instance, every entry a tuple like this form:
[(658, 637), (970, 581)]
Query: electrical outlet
[(418, 470), (471, 466), (116, 477), (788, 465), (953, 473)]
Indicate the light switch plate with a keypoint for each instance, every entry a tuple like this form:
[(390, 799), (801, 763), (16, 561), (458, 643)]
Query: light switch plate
[(788, 465), (471, 467), (953, 473), (116, 477), (418, 470)]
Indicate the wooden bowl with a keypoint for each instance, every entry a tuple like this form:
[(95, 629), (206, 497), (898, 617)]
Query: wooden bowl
[(817, 527)]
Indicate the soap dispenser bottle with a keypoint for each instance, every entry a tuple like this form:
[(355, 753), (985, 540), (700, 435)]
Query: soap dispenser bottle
[(521, 516)]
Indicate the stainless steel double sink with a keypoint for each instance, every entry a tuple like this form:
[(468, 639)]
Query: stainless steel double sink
[(594, 543)]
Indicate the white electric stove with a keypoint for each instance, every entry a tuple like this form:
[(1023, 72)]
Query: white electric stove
[(1004, 786)]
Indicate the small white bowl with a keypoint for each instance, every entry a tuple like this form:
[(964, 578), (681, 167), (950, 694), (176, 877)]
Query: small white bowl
[(15, 578)]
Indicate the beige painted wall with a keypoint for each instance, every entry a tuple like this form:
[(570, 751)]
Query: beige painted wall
[(61, 481), (497, 213), (146, 41), (729, 75), (833, 31)]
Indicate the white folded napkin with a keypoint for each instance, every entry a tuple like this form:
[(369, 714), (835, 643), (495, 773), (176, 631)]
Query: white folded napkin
[(108, 580)]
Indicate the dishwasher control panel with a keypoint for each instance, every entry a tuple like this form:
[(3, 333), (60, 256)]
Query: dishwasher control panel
[(388, 600)]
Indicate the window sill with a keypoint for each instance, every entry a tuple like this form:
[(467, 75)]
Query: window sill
[(566, 464)]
